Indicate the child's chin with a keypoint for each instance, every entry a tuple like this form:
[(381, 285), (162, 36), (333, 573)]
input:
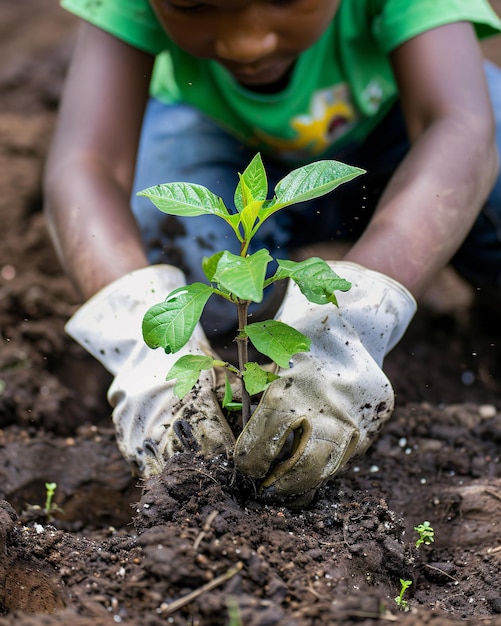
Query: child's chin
[(267, 82)]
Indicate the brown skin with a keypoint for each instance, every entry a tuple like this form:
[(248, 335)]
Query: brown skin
[(437, 192), (90, 167), (257, 42), (425, 213)]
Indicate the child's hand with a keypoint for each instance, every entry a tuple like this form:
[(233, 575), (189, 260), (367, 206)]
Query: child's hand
[(151, 422), (333, 400)]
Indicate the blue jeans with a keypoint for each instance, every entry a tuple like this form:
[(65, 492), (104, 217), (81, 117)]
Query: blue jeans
[(180, 144)]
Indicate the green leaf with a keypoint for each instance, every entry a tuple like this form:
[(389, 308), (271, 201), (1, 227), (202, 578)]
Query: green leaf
[(243, 195), (185, 199), (314, 277), (187, 370), (308, 182), (243, 276), (234, 406), (234, 221), (209, 265), (228, 402), (257, 379), (171, 323), (253, 184), (248, 217), (228, 393), (278, 341)]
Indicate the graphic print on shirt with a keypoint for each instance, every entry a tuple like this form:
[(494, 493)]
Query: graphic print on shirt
[(331, 116)]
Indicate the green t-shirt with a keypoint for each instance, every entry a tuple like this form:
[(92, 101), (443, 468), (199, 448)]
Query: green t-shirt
[(340, 88)]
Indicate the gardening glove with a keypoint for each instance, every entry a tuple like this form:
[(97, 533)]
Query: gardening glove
[(151, 422), (333, 400)]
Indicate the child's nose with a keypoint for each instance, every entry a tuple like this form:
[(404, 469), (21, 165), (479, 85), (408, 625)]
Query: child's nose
[(245, 47)]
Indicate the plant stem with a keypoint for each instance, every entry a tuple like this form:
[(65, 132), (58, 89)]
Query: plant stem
[(243, 357), (50, 489)]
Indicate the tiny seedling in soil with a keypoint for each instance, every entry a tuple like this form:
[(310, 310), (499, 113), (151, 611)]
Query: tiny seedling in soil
[(426, 537), (50, 506), (50, 490), (400, 600), (426, 534), (241, 279), (233, 612)]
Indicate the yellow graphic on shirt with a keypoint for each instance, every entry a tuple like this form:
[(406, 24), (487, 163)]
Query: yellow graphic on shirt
[(331, 116)]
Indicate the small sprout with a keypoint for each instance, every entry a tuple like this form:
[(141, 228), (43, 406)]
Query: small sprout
[(234, 616), (426, 534), (37, 512), (50, 506), (50, 490), (400, 601)]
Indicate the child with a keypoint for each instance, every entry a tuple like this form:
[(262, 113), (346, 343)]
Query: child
[(397, 87)]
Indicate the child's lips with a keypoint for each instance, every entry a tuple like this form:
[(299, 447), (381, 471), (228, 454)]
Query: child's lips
[(259, 75)]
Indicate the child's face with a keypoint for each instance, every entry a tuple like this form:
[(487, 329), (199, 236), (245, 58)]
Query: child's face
[(257, 41)]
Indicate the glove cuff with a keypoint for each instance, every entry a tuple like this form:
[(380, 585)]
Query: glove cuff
[(377, 307), (371, 291), (348, 269), (108, 325)]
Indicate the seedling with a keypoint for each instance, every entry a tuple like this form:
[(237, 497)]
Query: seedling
[(426, 534), (234, 618), (426, 537), (50, 490), (401, 602), (50, 506), (241, 279)]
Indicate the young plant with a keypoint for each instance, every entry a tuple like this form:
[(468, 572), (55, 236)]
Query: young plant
[(426, 534), (50, 506), (401, 602), (234, 618), (241, 279), (50, 490)]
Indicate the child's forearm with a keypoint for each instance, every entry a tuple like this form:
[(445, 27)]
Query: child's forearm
[(430, 204), (90, 165), (92, 227), (438, 191)]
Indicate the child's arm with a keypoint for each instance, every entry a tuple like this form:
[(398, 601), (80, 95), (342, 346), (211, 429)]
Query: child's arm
[(335, 398), (88, 185), (437, 192), (91, 163)]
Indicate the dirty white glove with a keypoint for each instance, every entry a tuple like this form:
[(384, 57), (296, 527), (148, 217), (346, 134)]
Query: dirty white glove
[(151, 422), (333, 400)]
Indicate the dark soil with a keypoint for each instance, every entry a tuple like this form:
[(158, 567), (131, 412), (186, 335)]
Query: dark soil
[(186, 547)]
